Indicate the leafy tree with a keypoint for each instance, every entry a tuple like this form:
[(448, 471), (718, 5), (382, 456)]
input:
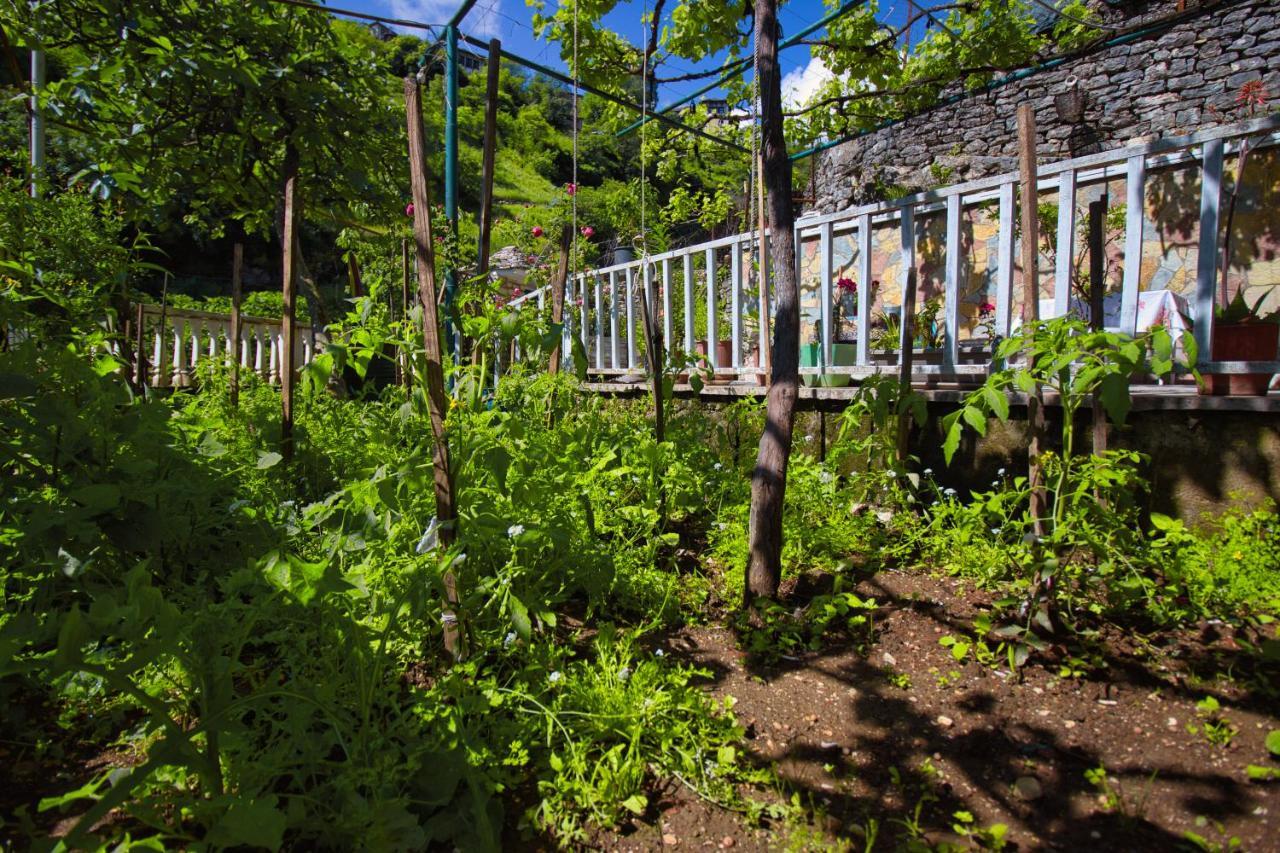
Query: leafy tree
[(979, 38), (190, 108)]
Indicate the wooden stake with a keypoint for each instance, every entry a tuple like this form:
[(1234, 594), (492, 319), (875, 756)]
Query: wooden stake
[(1097, 287), (490, 155), (557, 292), (289, 284), (905, 362), (765, 360), (446, 508), (237, 267), (653, 355), (139, 347), (354, 282), (1031, 303), (406, 371)]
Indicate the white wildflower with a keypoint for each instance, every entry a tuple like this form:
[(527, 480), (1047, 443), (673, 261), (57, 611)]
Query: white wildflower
[(928, 472), (825, 476), (624, 673), (995, 484), (808, 438), (995, 531), (515, 530), (659, 653), (1000, 473), (459, 560), (430, 537), (554, 677), (509, 639), (717, 466), (949, 492)]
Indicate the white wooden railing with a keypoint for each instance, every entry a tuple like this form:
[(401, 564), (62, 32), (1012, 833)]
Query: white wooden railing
[(602, 311), (177, 340)]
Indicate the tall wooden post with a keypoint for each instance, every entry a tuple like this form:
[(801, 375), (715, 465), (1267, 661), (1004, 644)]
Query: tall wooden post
[(557, 293), (490, 154), (289, 283), (237, 269), (1031, 302), (446, 508)]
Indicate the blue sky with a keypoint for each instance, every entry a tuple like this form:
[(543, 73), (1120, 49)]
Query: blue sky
[(511, 21)]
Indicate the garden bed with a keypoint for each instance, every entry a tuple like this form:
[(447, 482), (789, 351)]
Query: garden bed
[(872, 734)]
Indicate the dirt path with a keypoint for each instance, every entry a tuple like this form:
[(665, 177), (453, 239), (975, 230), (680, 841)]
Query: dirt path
[(870, 735)]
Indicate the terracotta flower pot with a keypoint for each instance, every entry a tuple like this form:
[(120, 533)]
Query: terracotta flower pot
[(724, 356), (753, 360), (1241, 342)]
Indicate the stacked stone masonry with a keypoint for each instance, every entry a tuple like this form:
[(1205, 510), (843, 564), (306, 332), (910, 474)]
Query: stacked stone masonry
[(1165, 84)]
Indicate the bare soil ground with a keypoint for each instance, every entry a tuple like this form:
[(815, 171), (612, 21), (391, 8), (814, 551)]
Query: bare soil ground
[(870, 734)]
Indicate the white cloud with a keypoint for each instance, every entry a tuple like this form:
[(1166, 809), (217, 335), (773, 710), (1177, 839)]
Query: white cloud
[(482, 21), (800, 84)]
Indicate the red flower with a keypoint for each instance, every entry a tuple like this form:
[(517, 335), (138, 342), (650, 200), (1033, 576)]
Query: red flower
[(986, 308), (846, 285), (408, 209), (537, 231), (571, 188), (588, 231)]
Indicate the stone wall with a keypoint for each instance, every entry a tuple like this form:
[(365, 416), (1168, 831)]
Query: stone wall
[(1201, 462), (1168, 83)]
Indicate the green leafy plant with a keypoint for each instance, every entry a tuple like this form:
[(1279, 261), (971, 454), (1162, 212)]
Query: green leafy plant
[(1214, 726), (1262, 773), (1115, 798)]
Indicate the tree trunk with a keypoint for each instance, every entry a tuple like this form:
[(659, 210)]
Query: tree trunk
[(768, 483)]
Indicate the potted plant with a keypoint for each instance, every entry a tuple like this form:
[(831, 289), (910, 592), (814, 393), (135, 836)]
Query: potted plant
[(843, 353), (724, 347), (1242, 333)]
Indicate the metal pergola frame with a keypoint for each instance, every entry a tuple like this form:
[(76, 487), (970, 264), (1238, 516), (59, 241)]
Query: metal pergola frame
[(453, 35)]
